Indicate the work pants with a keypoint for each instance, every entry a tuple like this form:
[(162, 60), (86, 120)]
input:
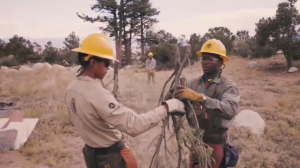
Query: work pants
[(116, 156), (151, 75)]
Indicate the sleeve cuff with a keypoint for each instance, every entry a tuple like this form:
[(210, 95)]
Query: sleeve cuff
[(210, 103), (161, 111)]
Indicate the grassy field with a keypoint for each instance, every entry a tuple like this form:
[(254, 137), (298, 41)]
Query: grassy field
[(270, 91)]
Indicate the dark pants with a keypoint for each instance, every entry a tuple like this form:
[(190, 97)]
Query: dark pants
[(116, 156)]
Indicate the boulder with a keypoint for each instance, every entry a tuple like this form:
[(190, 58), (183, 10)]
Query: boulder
[(250, 119), (25, 68), (4, 68), (293, 69), (252, 65), (57, 67), (47, 66), (37, 66)]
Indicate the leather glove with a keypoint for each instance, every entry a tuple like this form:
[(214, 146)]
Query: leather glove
[(184, 93), (175, 106)]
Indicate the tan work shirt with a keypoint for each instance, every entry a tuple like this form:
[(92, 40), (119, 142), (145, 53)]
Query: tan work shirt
[(99, 118)]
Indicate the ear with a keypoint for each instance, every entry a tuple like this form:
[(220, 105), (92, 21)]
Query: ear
[(92, 62)]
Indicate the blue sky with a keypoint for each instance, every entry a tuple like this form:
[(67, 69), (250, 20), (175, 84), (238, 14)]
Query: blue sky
[(43, 20)]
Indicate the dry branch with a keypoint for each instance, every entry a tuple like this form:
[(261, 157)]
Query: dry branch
[(116, 79), (192, 136)]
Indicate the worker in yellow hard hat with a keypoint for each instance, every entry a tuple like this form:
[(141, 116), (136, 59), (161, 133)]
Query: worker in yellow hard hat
[(150, 65), (215, 100), (98, 117)]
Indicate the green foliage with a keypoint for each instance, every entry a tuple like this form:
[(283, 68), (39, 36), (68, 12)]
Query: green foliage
[(72, 41), (223, 34), (280, 31)]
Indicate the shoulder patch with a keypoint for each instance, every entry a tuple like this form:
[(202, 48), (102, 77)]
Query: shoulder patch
[(111, 105), (73, 105), (235, 91)]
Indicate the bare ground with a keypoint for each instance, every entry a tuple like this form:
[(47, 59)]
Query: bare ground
[(270, 91)]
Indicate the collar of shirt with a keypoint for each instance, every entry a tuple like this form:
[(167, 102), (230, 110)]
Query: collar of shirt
[(89, 79), (217, 79)]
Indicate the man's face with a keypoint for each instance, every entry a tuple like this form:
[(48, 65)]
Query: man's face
[(210, 63), (100, 68)]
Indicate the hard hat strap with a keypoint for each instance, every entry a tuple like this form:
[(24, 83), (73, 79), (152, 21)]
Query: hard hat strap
[(87, 57)]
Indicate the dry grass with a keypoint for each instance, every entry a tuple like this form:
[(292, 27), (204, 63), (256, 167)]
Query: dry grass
[(274, 94)]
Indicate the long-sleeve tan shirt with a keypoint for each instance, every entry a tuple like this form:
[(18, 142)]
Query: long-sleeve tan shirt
[(99, 118)]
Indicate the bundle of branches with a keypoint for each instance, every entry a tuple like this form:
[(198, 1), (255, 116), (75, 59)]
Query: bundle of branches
[(190, 137)]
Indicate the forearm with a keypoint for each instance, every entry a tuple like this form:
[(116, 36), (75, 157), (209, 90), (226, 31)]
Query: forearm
[(223, 109), (135, 124)]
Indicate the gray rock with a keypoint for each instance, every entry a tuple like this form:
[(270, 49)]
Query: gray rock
[(252, 65), (7, 139), (293, 69), (250, 119)]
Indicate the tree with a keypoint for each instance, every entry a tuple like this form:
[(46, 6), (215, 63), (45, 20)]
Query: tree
[(223, 34), (113, 15), (20, 48), (51, 53), (242, 35), (145, 14), (2, 48), (196, 43), (72, 41), (280, 31)]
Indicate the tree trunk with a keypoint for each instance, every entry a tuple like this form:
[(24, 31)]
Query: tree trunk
[(142, 37), (289, 62)]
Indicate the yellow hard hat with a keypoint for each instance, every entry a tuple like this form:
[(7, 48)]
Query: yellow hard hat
[(214, 46), (150, 54), (97, 45)]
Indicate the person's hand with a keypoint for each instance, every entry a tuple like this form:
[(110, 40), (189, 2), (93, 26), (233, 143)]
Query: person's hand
[(175, 106), (184, 93)]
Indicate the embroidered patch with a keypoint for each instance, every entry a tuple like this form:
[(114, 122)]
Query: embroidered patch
[(111, 105), (235, 91), (73, 105)]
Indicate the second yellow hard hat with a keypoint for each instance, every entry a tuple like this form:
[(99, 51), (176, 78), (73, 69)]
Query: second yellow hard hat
[(214, 46)]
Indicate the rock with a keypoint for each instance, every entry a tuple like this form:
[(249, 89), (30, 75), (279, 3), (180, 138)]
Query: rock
[(4, 68), (76, 68), (47, 66), (25, 68), (252, 65), (37, 66), (250, 119), (293, 69), (7, 139), (57, 67)]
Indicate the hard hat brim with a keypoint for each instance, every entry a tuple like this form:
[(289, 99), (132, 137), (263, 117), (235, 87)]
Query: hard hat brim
[(95, 54), (225, 58)]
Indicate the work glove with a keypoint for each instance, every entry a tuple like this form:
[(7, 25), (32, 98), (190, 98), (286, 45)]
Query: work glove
[(175, 107), (184, 93)]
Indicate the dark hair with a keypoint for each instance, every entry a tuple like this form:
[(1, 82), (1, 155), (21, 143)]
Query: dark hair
[(85, 64)]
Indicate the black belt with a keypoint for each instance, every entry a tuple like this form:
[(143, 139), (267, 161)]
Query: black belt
[(115, 148)]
